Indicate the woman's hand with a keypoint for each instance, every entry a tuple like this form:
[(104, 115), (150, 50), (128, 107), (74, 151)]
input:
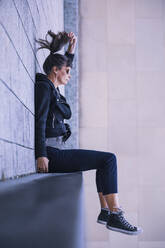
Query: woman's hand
[(72, 42), (42, 164)]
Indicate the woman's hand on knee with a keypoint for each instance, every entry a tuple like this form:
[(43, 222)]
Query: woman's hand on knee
[(42, 164)]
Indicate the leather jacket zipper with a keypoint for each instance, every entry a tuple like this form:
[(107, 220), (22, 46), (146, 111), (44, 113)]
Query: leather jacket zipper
[(53, 120)]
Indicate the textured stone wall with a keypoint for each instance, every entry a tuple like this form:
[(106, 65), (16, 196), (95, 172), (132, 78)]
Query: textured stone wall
[(71, 24), (20, 23)]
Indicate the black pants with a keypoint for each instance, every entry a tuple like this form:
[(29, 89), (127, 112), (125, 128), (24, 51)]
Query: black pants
[(72, 160)]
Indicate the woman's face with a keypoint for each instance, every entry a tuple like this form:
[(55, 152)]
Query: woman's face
[(63, 75)]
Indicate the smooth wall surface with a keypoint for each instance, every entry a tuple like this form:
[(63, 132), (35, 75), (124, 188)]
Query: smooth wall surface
[(20, 23), (122, 110)]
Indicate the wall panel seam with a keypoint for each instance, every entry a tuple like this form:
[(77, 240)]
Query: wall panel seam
[(11, 142), (26, 34), (7, 34), (16, 96)]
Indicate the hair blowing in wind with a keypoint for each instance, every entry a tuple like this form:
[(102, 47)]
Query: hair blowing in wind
[(57, 41)]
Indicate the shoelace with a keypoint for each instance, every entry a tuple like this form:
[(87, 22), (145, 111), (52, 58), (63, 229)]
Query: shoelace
[(123, 220)]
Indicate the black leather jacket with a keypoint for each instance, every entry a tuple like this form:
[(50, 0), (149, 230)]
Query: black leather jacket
[(51, 108)]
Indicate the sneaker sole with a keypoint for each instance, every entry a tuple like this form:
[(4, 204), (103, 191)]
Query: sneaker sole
[(102, 222), (124, 231)]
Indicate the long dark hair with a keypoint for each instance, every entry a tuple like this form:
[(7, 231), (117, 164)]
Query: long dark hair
[(57, 42)]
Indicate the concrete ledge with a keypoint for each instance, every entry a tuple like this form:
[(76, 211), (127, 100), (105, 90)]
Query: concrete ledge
[(42, 210)]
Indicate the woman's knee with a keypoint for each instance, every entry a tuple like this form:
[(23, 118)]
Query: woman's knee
[(112, 159), (112, 156)]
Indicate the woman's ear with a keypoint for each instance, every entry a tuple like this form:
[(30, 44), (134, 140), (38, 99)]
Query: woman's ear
[(55, 69)]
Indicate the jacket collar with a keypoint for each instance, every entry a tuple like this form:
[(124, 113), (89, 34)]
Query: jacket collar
[(42, 77)]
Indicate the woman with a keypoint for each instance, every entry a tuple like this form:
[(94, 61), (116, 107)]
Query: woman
[(51, 108)]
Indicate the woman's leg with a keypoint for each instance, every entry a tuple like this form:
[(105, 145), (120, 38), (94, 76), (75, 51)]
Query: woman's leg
[(110, 201), (72, 160), (102, 200)]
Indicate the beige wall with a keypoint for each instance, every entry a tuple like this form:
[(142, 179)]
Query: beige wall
[(122, 110)]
